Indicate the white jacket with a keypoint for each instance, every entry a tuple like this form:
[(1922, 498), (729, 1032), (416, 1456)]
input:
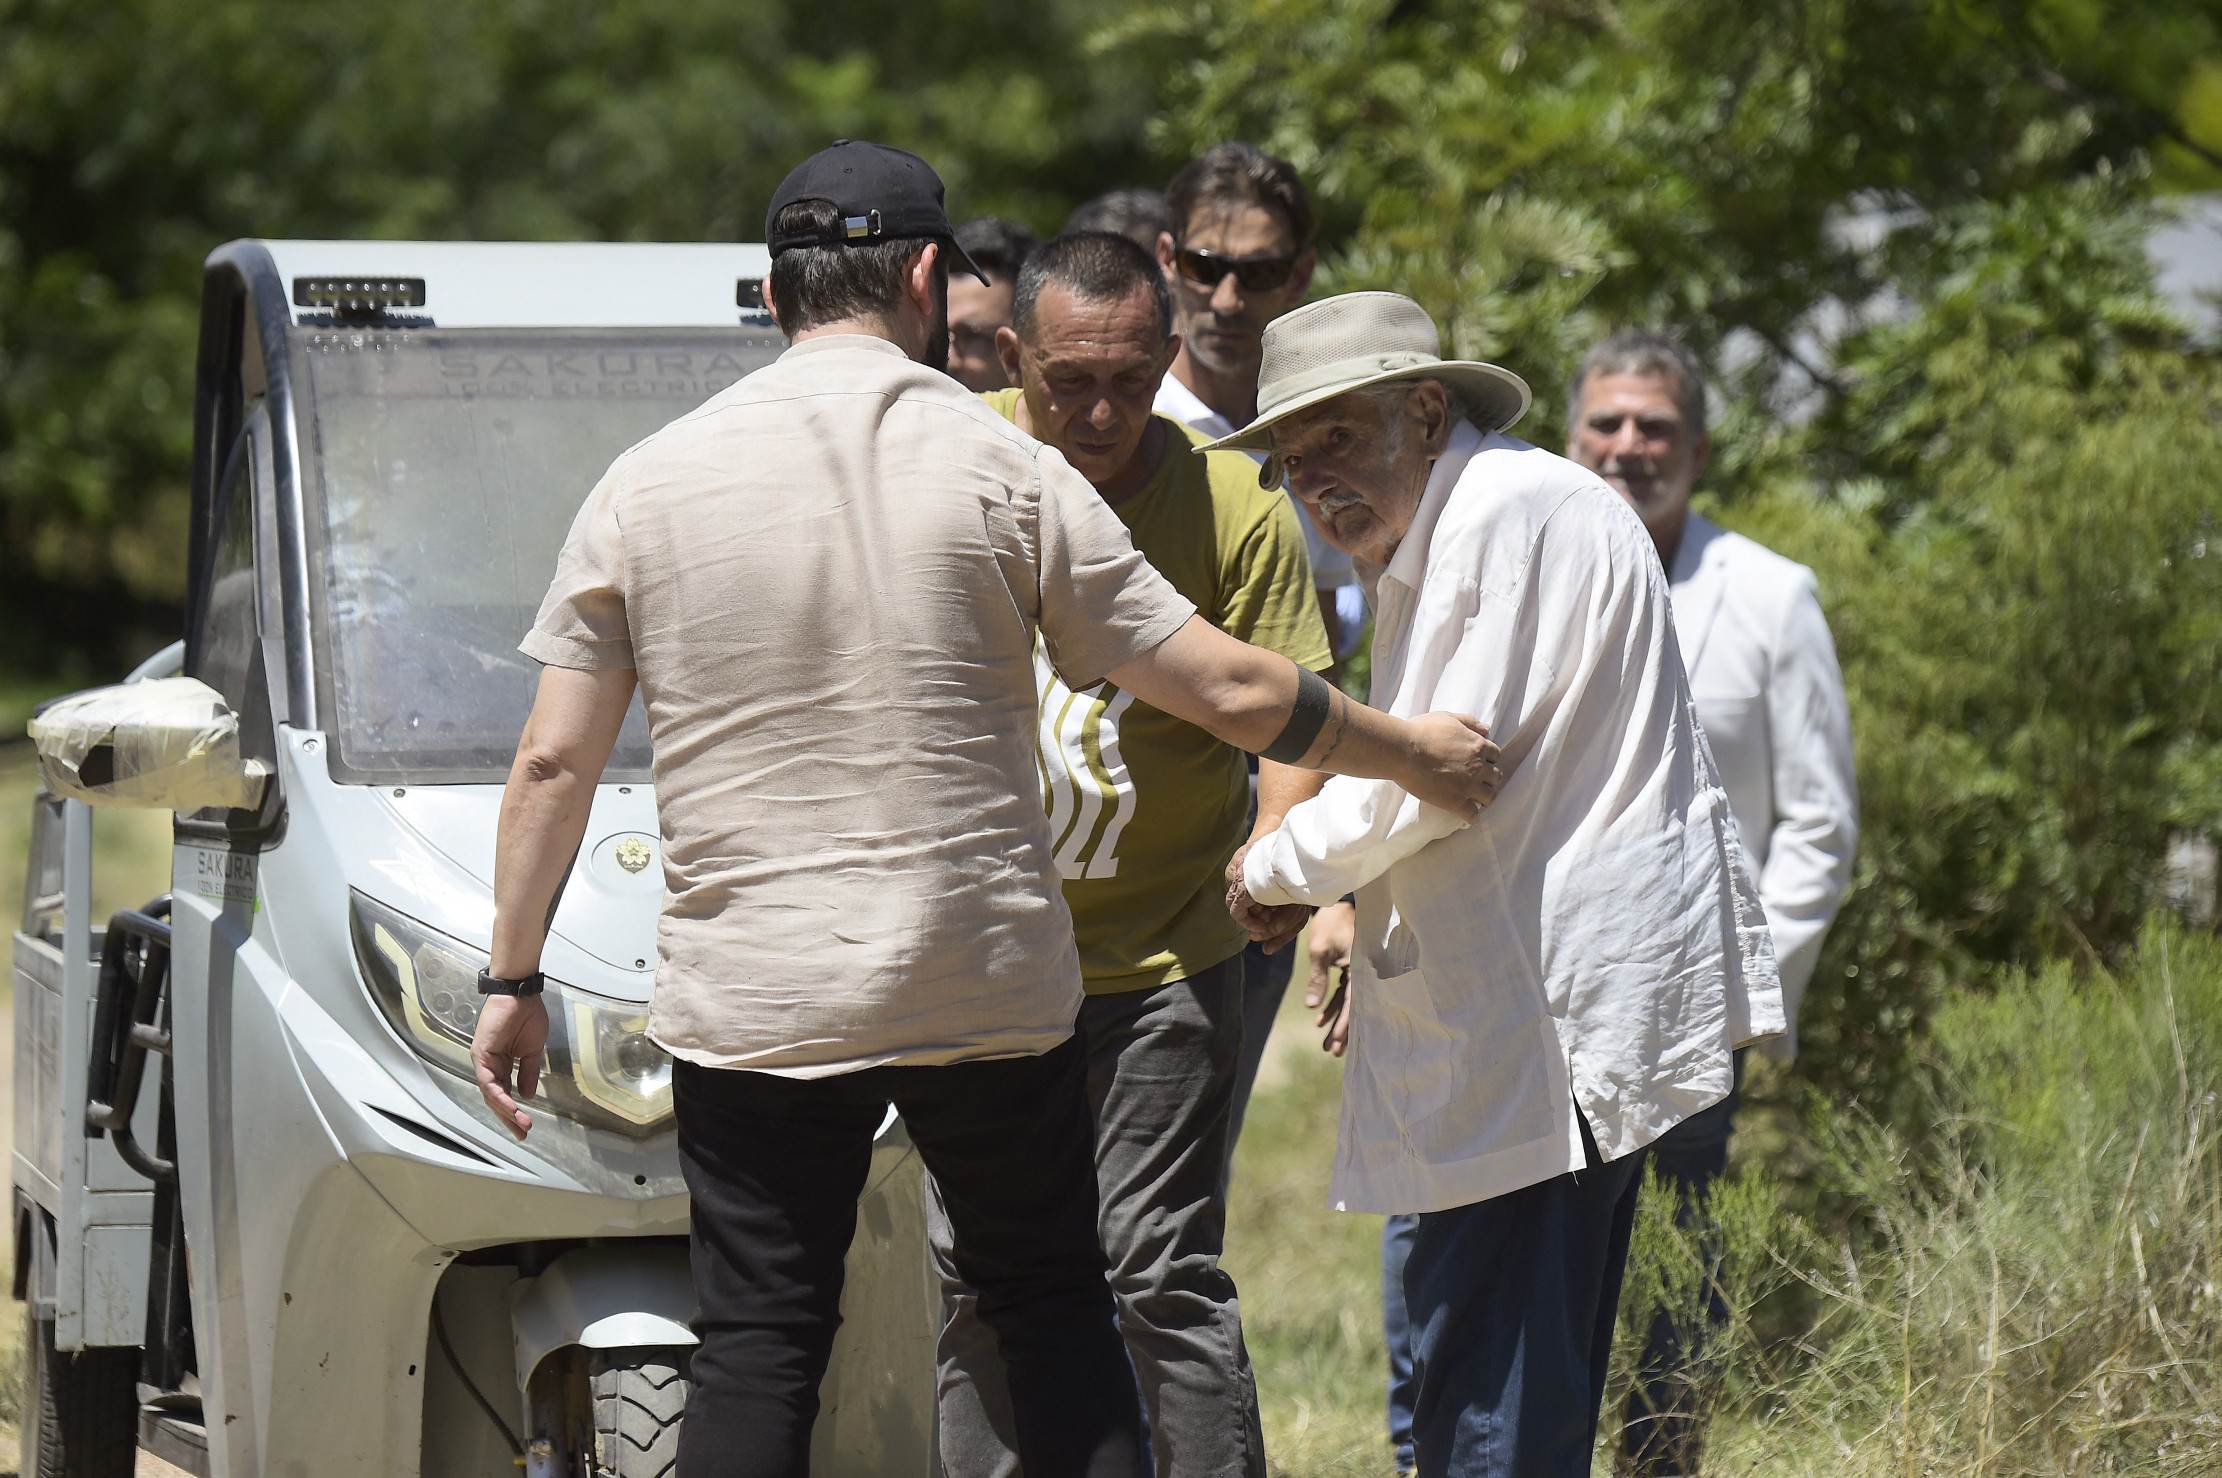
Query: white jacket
[(1771, 699), (1594, 938)]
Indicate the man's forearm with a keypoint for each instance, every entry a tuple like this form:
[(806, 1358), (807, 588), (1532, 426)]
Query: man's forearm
[(1338, 841), (1281, 789), (1254, 699), (567, 741), (1352, 739), (1260, 701), (543, 818)]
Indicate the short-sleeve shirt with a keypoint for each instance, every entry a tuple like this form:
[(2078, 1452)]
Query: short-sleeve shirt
[(830, 579), (1145, 809)]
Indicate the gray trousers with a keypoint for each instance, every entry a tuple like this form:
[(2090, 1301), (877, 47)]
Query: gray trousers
[(1161, 1068), (1265, 979)]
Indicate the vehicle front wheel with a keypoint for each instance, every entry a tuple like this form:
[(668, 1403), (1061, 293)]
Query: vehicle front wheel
[(81, 1411), (639, 1396)]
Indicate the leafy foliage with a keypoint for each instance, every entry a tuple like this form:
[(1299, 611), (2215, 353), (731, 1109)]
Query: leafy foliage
[(1916, 222), (130, 148), (1919, 224), (2035, 1290), (2026, 587)]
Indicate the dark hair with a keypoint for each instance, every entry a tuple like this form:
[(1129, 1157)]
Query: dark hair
[(1101, 266), (1635, 351), (1138, 215), (1236, 173), (813, 285), (999, 246)]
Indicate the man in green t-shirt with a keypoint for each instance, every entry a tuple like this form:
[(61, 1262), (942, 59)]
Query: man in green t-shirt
[(1145, 811)]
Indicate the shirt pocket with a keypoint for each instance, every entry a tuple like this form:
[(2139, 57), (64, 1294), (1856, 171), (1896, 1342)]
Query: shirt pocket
[(1395, 952), (1735, 724), (1413, 1056)]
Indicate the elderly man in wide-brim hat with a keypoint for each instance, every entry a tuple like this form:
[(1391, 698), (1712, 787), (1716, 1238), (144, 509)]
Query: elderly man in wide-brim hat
[(1538, 995)]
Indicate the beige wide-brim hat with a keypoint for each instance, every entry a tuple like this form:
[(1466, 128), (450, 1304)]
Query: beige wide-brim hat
[(1346, 343)]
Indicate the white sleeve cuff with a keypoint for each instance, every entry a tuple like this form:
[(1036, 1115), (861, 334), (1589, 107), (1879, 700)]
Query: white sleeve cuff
[(1264, 869)]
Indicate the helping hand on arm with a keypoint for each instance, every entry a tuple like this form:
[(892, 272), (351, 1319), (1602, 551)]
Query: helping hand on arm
[(1246, 695)]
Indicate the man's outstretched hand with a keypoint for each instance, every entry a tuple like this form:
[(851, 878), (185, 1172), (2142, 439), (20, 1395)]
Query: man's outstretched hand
[(1334, 930), (1454, 764)]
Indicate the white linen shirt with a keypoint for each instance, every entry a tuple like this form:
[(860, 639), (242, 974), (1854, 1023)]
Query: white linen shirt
[(1594, 937), (1771, 700)]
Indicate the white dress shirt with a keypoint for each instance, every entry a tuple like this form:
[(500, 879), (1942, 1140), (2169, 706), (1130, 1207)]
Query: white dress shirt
[(1771, 700), (1594, 937)]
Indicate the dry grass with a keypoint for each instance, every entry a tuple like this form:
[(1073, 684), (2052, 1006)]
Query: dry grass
[(2035, 1290)]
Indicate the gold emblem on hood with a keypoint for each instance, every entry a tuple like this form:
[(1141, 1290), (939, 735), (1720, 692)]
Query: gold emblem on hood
[(633, 854)]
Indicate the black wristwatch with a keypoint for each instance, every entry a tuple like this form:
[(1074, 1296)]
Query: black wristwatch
[(494, 985)]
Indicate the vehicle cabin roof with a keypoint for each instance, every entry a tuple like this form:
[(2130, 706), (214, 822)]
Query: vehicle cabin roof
[(529, 284)]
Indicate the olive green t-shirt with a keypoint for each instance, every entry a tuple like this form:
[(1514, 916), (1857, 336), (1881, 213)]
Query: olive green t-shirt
[(1144, 809)]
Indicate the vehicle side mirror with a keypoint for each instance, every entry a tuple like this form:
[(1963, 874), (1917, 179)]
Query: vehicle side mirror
[(170, 743)]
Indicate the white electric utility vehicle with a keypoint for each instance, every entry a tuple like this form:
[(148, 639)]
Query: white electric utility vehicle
[(265, 1227)]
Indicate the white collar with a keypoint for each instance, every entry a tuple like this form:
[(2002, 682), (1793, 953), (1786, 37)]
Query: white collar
[(1187, 407), (1699, 535), (1408, 566)]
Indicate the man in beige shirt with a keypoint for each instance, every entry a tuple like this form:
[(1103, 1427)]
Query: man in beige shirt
[(827, 584)]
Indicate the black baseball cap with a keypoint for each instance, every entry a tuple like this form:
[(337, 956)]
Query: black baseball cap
[(883, 194)]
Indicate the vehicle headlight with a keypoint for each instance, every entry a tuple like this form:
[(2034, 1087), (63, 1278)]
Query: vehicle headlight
[(602, 1067)]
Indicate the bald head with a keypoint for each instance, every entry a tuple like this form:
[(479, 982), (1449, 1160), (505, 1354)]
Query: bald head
[(1089, 341)]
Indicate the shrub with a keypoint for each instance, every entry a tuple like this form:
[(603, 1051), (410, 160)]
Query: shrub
[(2036, 1288)]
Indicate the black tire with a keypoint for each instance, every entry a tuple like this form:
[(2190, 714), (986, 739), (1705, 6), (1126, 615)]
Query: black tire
[(639, 1396), (81, 1411)]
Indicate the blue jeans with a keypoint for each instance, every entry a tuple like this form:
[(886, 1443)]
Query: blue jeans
[(1509, 1307), (1661, 1426), (1396, 1333)]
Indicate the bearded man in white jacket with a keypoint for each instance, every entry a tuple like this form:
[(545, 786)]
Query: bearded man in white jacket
[(1541, 994), (1770, 698)]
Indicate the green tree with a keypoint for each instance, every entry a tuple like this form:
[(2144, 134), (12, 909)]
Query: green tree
[(2006, 478), (1536, 173), (131, 148), (2027, 586)]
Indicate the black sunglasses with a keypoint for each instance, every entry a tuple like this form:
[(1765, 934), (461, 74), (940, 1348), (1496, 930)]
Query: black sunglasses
[(1256, 274)]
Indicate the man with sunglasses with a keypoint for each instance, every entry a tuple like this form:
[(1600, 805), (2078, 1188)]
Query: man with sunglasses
[(1238, 256)]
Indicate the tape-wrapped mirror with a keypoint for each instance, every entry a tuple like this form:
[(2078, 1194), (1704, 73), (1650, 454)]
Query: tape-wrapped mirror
[(171, 743)]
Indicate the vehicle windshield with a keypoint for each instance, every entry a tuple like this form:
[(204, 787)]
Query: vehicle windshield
[(448, 466)]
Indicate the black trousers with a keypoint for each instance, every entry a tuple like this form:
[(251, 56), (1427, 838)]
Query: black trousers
[(775, 1166)]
